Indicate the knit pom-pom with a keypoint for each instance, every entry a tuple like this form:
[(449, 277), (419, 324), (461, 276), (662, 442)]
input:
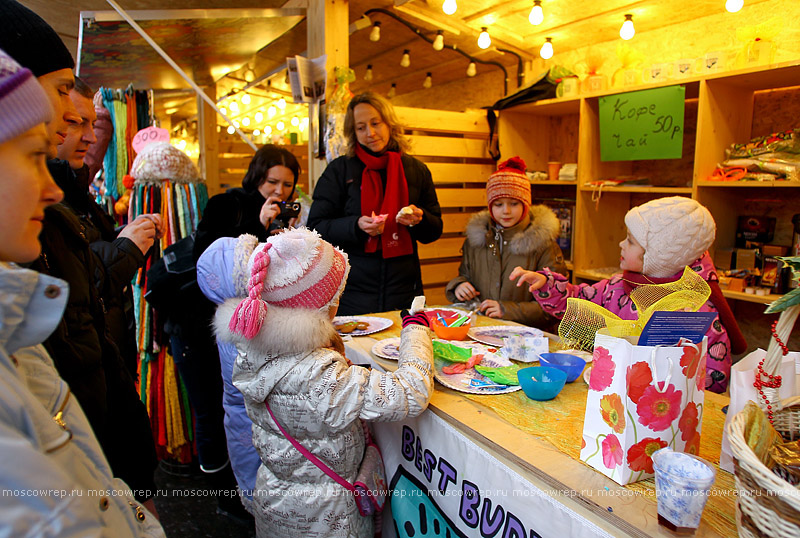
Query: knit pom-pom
[(128, 181), (514, 163), (248, 317)]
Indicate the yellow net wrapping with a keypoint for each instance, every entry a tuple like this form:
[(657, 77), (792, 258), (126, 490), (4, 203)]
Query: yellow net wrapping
[(582, 319)]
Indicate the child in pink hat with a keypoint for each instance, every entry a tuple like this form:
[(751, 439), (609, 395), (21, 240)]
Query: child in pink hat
[(291, 357)]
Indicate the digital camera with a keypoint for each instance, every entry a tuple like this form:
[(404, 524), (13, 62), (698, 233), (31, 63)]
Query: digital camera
[(289, 210)]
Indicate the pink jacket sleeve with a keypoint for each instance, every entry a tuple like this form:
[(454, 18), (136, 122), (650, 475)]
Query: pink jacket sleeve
[(555, 292)]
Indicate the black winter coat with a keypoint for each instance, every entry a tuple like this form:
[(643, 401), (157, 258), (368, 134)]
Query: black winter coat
[(230, 214), (375, 284), (85, 346)]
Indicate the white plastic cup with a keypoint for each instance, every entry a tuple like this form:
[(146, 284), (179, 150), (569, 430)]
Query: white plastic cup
[(683, 482)]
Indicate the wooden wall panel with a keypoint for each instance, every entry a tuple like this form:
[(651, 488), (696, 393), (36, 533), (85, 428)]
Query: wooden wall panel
[(235, 157)]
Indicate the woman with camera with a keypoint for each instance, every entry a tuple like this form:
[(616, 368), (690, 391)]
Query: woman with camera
[(376, 203)]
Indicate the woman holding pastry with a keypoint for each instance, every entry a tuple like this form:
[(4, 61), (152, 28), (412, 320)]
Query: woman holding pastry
[(376, 203)]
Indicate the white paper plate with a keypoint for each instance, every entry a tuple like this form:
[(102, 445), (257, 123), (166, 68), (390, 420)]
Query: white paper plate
[(493, 335), (387, 349), (587, 374), (376, 324), (461, 382)]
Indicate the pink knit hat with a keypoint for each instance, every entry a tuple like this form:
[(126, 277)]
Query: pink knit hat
[(294, 269), (509, 181)]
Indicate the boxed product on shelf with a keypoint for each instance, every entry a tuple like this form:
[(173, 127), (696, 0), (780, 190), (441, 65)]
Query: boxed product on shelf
[(565, 212), (755, 229)]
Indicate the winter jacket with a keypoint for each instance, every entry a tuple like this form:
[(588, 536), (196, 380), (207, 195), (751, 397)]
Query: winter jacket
[(212, 265), (86, 354), (491, 252), (319, 400), (51, 460), (611, 295), (375, 284), (230, 214)]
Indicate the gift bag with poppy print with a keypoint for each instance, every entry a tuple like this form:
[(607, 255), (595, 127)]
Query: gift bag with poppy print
[(641, 399)]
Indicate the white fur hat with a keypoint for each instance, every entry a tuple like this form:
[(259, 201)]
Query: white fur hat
[(674, 232)]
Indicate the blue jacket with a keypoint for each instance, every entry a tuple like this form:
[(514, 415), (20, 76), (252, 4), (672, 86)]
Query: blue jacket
[(213, 263), (50, 456)]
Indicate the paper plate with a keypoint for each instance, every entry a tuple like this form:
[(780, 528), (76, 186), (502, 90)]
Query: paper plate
[(375, 324), (461, 382), (587, 374), (387, 349), (493, 335)]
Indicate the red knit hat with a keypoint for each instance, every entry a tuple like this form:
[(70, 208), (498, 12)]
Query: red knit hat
[(509, 181)]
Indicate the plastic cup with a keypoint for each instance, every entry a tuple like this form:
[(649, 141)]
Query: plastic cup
[(683, 482), (553, 168)]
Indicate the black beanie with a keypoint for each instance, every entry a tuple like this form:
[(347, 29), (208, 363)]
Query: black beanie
[(30, 41)]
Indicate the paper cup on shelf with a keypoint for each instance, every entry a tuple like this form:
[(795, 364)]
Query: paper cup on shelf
[(683, 483), (553, 168)]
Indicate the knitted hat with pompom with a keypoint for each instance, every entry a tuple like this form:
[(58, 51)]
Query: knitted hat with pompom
[(509, 181), (23, 103)]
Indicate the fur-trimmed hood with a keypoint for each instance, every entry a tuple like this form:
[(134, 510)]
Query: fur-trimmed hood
[(543, 228)]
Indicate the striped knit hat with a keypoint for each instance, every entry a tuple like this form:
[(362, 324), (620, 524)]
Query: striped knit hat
[(509, 181), (294, 269), (23, 103)]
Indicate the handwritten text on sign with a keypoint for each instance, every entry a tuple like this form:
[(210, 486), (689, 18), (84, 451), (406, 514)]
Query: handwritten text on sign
[(647, 124), (147, 136)]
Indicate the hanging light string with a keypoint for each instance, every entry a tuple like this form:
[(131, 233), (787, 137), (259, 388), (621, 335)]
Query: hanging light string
[(419, 34)]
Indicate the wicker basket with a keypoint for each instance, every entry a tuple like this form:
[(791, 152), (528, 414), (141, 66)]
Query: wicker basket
[(767, 505)]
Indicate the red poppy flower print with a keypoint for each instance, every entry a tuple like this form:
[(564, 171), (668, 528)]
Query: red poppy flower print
[(689, 361), (637, 379), (700, 379), (612, 412), (657, 410), (693, 445), (688, 422), (640, 455), (612, 451), (602, 370)]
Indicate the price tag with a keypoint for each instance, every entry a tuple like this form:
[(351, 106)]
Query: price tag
[(147, 136)]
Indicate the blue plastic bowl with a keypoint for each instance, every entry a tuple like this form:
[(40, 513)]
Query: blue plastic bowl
[(541, 382), (569, 364)]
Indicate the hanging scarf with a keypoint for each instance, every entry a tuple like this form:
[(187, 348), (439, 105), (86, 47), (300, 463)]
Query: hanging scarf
[(632, 280), (395, 239)]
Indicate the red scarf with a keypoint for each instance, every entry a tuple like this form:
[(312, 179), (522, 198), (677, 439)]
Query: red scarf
[(631, 280), (395, 239)]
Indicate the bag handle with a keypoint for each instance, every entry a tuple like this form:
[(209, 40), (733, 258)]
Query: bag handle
[(311, 457), (654, 367)]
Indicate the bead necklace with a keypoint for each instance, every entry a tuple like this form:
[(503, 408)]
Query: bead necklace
[(765, 380)]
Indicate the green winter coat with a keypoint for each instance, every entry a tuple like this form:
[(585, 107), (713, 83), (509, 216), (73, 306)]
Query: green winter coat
[(490, 253)]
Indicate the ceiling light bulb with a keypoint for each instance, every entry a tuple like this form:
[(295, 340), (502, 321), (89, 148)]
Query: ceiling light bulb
[(484, 41), (295, 121), (234, 106), (393, 90), (546, 51), (282, 103), (246, 99), (259, 117), (302, 127), (246, 121), (271, 111), (231, 129), (280, 125), (406, 60), (223, 110), (249, 75), (256, 132), (267, 130), (471, 69), (537, 15), (438, 41), (449, 7), (375, 33), (734, 5), (627, 31), (236, 124), (428, 81), (368, 74)]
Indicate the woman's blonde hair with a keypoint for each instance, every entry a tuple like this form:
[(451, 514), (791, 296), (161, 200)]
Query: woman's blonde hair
[(397, 140)]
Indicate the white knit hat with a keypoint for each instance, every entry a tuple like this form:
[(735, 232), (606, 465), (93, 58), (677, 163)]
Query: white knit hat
[(674, 232), (161, 161), (293, 269)]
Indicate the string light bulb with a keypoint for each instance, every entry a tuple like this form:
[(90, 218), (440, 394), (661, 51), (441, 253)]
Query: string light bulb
[(405, 61), (256, 132), (234, 107), (375, 33), (627, 31), (223, 110), (472, 70), (246, 99), (438, 41), (484, 41), (449, 7), (295, 121), (428, 81), (267, 130), (546, 52), (246, 121), (282, 103), (259, 116), (734, 5), (537, 15), (280, 125), (393, 90), (236, 124), (230, 129), (249, 75), (368, 74), (271, 111)]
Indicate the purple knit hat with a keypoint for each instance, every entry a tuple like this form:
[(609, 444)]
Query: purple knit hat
[(23, 103)]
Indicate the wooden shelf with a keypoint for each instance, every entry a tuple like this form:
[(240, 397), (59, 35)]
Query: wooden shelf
[(750, 297), (642, 188), (748, 184), (548, 183)]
